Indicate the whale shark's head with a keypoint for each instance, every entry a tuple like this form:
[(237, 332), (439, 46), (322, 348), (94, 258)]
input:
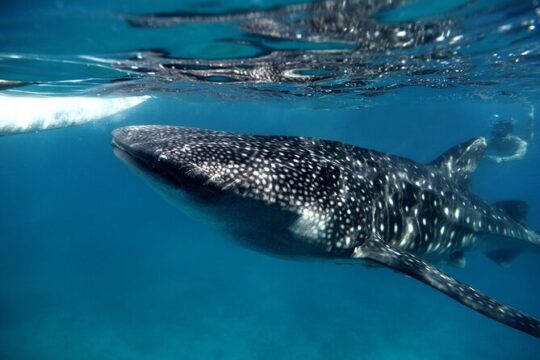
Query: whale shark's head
[(287, 195)]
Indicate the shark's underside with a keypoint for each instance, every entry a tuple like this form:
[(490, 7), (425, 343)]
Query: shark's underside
[(311, 198)]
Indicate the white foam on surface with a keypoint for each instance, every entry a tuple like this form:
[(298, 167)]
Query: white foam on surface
[(20, 114)]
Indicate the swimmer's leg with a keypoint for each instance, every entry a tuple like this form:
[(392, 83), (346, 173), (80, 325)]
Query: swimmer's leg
[(530, 124)]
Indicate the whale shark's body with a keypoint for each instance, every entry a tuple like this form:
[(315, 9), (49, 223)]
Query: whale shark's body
[(311, 198)]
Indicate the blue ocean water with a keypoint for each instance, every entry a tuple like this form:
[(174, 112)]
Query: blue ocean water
[(94, 264)]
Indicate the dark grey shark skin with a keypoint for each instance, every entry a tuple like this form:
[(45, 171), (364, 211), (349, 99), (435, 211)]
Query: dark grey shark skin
[(310, 198)]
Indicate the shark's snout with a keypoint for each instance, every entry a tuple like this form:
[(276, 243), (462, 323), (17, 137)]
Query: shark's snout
[(133, 145), (162, 150), (120, 137), (147, 143), (130, 137)]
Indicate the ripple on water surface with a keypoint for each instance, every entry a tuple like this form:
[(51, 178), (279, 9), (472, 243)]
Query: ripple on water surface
[(349, 51)]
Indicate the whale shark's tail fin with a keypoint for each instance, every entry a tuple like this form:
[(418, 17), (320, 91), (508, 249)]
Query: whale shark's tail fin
[(379, 252), (460, 162)]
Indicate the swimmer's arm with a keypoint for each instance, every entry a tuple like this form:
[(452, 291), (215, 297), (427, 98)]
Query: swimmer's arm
[(521, 150), (530, 124)]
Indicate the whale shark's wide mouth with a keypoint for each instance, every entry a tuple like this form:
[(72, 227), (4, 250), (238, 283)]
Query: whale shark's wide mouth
[(140, 148), (135, 147), (145, 144), (127, 138), (128, 154)]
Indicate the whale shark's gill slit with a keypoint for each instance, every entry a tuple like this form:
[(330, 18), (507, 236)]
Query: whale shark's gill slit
[(378, 252)]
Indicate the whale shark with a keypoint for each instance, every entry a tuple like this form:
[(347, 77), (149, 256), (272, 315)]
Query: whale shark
[(308, 198)]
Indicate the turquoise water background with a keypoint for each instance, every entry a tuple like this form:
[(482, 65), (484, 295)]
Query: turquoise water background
[(95, 265)]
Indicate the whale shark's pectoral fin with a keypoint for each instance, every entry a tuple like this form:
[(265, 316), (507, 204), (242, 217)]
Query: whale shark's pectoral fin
[(377, 251), (503, 257)]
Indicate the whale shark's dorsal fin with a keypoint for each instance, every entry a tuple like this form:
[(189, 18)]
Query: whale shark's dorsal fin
[(377, 251), (460, 162)]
